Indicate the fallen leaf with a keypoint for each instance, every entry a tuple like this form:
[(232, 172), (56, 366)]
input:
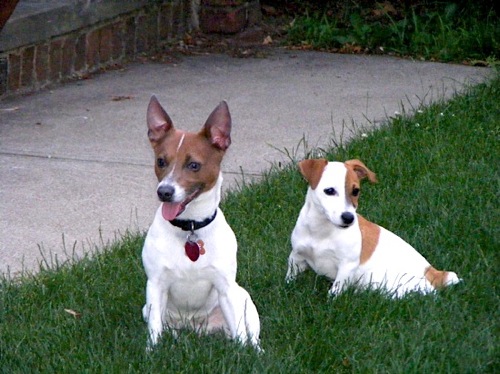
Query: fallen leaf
[(383, 9), (351, 48), (73, 313), (188, 39), (267, 40), (479, 63), (269, 10), (120, 98), (346, 362)]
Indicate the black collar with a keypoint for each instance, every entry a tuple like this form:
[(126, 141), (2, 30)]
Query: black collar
[(190, 225)]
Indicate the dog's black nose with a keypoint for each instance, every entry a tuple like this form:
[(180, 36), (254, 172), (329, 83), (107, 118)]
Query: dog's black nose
[(347, 218), (165, 192)]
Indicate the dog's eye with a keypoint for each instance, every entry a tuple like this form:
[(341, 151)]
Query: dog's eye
[(194, 166), (330, 191), (355, 191), (161, 163)]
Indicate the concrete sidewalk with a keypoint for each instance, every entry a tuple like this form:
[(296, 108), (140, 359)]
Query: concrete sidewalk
[(75, 163)]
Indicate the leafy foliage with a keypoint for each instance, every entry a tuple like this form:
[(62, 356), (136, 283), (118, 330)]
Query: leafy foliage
[(446, 33)]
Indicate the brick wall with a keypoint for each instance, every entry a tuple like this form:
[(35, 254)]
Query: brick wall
[(228, 16), (117, 40), (87, 50)]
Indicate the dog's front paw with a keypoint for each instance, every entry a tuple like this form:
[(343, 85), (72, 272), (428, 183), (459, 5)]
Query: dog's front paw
[(295, 267), (333, 293), (291, 275), (256, 345), (149, 348), (335, 290), (290, 278), (152, 341)]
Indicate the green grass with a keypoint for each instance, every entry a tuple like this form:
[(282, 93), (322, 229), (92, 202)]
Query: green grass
[(438, 188), (444, 32)]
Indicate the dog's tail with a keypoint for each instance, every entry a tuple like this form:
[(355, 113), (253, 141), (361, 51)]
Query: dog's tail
[(440, 278)]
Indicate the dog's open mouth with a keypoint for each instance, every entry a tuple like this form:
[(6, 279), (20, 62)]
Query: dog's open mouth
[(171, 210)]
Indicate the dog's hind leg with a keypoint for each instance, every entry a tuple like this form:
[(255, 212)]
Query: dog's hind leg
[(440, 279), (236, 306), (252, 321)]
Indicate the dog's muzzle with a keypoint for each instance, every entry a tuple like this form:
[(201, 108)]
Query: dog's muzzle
[(347, 219), (165, 192)]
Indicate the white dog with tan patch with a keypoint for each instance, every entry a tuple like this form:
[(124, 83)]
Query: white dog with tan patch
[(190, 250), (334, 241)]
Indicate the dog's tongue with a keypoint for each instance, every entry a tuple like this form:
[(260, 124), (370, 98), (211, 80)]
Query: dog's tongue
[(170, 210)]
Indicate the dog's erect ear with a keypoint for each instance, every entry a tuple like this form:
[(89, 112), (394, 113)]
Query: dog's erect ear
[(217, 129), (361, 170), (312, 170), (159, 123)]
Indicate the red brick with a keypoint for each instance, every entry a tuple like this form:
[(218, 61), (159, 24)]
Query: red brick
[(4, 74), (27, 66), (105, 43), (14, 72), (42, 63), (141, 38), (80, 54), (254, 13), (222, 3), (68, 56), (129, 37), (146, 32), (55, 60), (92, 49), (186, 16), (223, 20), (117, 41), (178, 20), (165, 21)]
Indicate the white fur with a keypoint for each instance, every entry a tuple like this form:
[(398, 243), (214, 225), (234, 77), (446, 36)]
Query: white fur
[(202, 295), (320, 242), (181, 293)]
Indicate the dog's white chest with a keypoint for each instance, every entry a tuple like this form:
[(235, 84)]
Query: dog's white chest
[(190, 285), (190, 293), (325, 253)]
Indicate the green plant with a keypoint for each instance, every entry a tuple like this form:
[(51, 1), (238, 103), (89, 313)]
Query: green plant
[(446, 34), (318, 33)]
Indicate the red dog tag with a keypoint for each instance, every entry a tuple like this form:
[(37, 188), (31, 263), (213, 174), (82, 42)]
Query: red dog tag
[(192, 250)]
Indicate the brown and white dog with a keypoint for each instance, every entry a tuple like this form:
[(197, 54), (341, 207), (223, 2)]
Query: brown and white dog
[(190, 250), (336, 242)]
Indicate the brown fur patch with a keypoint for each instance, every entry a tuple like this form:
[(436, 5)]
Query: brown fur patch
[(361, 170), (194, 148), (437, 278), (370, 233), (356, 171), (176, 152), (352, 182), (312, 170)]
